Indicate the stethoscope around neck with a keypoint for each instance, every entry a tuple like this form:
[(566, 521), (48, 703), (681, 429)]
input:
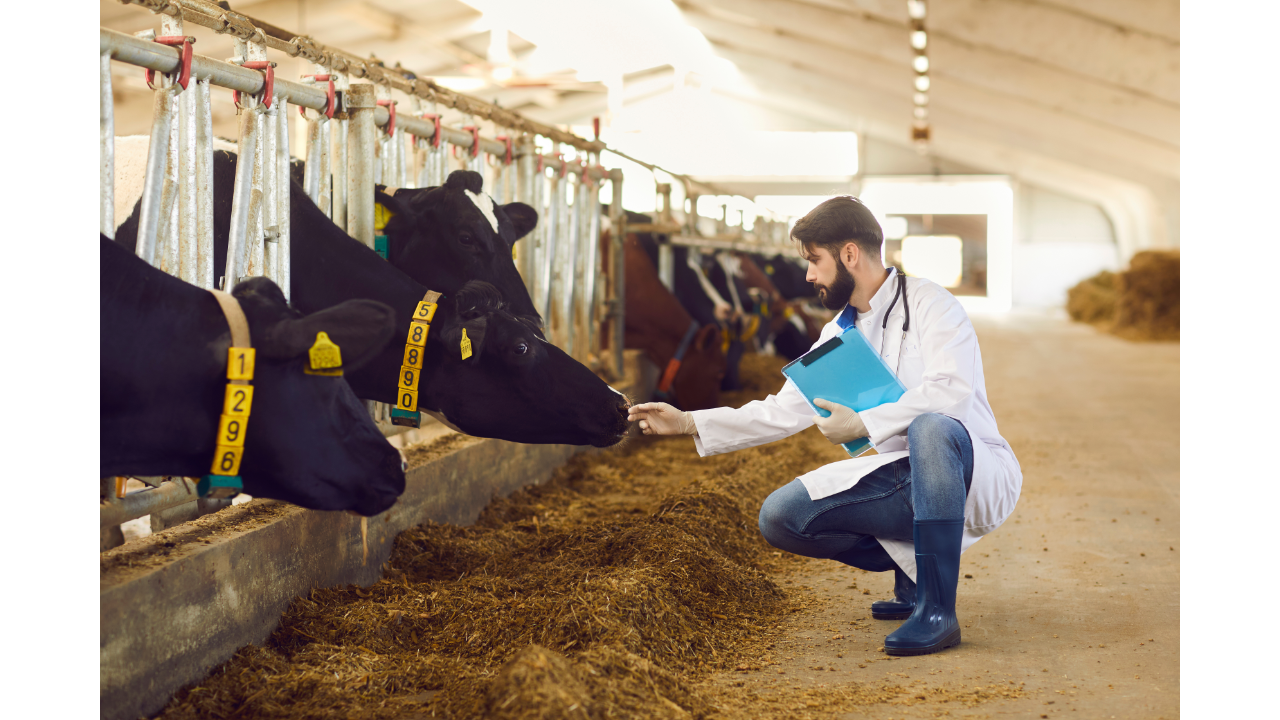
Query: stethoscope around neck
[(906, 323)]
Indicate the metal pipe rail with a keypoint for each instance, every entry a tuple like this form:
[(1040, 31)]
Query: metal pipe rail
[(165, 59), (223, 21), (141, 503)]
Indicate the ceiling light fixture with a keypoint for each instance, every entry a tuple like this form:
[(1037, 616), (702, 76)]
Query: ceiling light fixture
[(916, 9), (921, 63)]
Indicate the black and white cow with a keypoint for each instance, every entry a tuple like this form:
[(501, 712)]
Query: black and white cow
[(308, 441), (515, 386)]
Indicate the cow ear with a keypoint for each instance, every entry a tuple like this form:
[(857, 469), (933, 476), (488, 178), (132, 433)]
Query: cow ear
[(523, 218), (708, 336), (396, 202), (468, 348), (360, 329)]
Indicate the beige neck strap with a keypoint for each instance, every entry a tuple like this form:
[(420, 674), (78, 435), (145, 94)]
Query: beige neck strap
[(235, 318), (432, 296)]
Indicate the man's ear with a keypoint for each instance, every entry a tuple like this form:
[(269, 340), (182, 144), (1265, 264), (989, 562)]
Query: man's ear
[(850, 252), (522, 217), (360, 329)]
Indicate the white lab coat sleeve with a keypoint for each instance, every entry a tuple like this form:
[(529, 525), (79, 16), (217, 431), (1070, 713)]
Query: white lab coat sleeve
[(949, 350), (722, 430)]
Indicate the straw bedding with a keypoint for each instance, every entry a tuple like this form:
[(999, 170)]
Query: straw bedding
[(615, 590), (1141, 303)]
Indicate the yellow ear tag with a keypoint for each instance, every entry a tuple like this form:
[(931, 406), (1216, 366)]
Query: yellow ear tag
[(326, 357), (381, 216), (466, 345)]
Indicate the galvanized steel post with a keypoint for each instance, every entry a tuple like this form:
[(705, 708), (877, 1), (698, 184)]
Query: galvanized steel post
[(167, 237), (362, 140), (188, 116), (618, 270), (568, 262), (525, 193), (338, 163), (106, 150), (237, 235), (270, 186), (285, 188), (204, 186), (149, 214)]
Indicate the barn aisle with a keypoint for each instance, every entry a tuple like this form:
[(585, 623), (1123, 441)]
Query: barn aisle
[(1073, 606)]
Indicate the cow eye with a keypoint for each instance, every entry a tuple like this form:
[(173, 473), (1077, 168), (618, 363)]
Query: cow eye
[(521, 348), (466, 239)]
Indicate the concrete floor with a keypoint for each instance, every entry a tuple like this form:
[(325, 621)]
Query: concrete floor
[(1075, 599)]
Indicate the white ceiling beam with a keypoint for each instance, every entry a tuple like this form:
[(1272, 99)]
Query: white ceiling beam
[(1031, 84), (1015, 33), (1036, 128)]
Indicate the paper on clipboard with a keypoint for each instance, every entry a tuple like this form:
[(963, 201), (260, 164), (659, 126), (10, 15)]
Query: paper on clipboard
[(848, 371)]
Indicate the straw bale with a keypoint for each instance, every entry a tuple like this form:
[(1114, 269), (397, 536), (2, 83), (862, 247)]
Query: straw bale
[(1148, 297), (1093, 300), (1141, 303)]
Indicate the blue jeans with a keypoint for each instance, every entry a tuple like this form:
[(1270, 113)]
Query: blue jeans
[(931, 484)]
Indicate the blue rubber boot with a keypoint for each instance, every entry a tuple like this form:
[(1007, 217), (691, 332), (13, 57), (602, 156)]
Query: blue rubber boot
[(933, 625), (904, 602)]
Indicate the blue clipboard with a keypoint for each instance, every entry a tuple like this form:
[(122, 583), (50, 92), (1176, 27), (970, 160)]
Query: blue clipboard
[(848, 371)]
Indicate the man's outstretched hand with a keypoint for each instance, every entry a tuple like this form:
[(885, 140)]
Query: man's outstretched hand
[(659, 418), (842, 426)]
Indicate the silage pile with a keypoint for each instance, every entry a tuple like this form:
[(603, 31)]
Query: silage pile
[(598, 594), (1141, 303)]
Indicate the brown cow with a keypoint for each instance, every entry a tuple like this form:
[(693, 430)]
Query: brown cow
[(780, 309), (656, 323)]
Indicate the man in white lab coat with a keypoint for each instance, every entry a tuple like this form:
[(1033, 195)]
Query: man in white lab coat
[(942, 477)]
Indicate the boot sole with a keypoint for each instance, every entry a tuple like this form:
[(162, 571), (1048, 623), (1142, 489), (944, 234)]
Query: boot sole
[(891, 615), (949, 641)]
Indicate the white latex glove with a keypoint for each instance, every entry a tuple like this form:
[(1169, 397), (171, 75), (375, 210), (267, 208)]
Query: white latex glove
[(659, 418), (842, 426)]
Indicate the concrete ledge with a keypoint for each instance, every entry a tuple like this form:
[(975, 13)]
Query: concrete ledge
[(177, 603)]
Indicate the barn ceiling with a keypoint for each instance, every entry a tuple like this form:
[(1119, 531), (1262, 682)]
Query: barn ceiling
[(1079, 96)]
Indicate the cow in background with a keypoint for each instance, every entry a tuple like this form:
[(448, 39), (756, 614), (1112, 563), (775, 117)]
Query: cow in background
[(785, 323), (698, 296), (656, 323)]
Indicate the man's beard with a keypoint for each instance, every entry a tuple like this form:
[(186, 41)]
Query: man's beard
[(836, 295)]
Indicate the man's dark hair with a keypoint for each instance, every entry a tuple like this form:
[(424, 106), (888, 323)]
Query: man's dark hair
[(835, 222)]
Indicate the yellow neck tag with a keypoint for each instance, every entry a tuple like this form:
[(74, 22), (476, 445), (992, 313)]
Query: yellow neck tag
[(465, 345), (381, 215), (325, 355)]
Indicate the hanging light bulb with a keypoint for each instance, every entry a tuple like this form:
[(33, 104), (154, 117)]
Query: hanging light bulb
[(919, 39), (921, 63), (916, 9), (922, 113), (921, 98), (922, 83)]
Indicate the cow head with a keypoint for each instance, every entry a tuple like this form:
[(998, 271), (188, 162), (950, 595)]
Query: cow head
[(697, 384), (309, 440), (444, 236), (512, 384)]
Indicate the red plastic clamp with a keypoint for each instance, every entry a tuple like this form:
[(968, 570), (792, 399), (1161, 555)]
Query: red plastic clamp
[(331, 98), (435, 136), (509, 153), (475, 139), (184, 71), (267, 88), (390, 105)]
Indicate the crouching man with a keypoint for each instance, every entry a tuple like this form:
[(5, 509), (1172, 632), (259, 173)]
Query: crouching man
[(942, 476)]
